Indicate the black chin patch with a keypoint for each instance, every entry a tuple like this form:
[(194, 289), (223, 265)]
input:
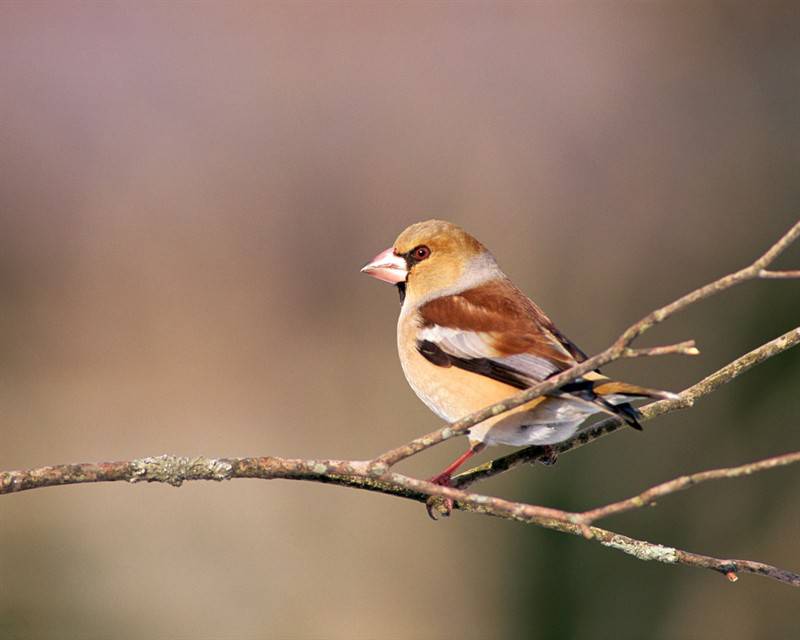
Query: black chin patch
[(401, 289)]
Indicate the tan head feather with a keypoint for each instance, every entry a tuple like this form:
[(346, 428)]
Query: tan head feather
[(455, 260), (438, 234)]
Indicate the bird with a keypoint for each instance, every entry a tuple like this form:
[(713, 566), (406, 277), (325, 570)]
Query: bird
[(467, 338)]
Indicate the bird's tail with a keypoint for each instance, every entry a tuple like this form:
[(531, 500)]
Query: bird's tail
[(614, 388), (612, 397)]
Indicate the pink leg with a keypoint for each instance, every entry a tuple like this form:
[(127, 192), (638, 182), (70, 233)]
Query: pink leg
[(446, 476)]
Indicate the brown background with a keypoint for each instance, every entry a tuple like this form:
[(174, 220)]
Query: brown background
[(187, 192)]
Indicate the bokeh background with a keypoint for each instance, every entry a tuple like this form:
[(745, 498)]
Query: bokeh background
[(187, 193)]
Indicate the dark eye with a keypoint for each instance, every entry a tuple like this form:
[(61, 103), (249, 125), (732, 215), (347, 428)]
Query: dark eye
[(421, 252)]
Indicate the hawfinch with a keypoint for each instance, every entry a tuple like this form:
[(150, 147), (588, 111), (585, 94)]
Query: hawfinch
[(468, 338)]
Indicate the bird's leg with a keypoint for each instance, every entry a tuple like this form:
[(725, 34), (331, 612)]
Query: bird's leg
[(445, 505), (445, 476)]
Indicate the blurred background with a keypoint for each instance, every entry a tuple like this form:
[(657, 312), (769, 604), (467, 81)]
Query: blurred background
[(187, 193)]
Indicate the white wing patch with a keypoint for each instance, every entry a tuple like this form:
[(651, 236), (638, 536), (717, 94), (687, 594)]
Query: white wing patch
[(458, 343), (478, 344), (534, 367)]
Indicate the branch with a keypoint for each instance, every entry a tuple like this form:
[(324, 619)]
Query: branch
[(684, 400), (618, 350), (566, 522), (174, 470)]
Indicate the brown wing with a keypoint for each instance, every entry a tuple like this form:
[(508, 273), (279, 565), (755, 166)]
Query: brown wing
[(495, 327)]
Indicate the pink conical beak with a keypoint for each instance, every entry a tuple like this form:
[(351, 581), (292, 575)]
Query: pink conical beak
[(387, 266)]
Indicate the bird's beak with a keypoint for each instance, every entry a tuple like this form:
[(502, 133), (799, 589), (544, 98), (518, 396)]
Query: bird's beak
[(387, 266)]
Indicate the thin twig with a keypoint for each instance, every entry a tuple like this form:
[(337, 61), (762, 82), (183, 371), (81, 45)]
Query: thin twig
[(618, 350), (778, 274), (684, 482), (686, 348)]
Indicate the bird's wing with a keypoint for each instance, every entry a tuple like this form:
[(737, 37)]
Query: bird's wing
[(496, 331)]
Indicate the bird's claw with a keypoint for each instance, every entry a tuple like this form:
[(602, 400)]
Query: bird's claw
[(439, 505), (549, 456)]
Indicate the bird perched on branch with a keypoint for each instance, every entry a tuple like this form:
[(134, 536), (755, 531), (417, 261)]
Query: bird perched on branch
[(468, 338)]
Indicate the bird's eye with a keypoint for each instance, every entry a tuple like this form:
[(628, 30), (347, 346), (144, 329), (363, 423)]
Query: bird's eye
[(421, 252)]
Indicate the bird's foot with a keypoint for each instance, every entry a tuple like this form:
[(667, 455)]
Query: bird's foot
[(439, 505), (549, 455)]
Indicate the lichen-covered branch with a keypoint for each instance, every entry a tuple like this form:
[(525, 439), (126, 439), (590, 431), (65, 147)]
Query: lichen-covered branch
[(175, 470), (618, 350)]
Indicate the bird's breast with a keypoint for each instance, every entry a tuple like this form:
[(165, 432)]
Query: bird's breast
[(450, 392)]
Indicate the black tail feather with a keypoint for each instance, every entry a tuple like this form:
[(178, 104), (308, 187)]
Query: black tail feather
[(630, 414)]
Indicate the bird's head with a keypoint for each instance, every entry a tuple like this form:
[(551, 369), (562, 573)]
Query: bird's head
[(433, 258)]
